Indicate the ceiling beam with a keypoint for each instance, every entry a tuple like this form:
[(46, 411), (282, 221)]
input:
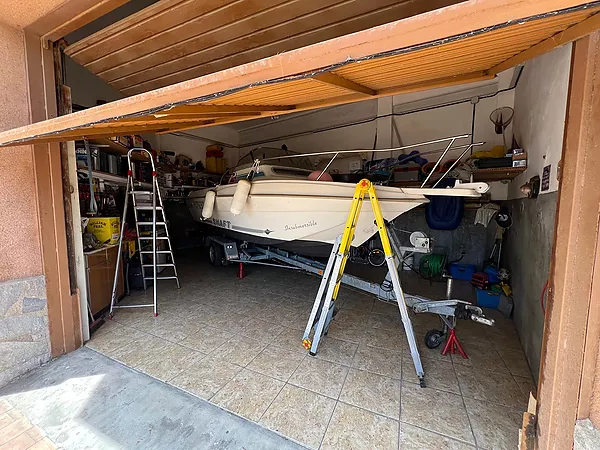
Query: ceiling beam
[(71, 16), (226, 109), (183, 118), (569, 35), (341, 82)]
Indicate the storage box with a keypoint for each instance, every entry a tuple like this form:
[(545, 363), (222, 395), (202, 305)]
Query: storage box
[(106, 229), (462, 271), (488, 299)]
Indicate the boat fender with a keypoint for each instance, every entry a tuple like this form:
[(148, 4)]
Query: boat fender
[(209, 204), (240, 196)]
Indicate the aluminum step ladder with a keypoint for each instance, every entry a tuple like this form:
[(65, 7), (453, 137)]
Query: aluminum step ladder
[(152, 233), (322, 311)]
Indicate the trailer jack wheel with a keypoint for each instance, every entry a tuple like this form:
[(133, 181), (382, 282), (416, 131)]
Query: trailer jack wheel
[(434, 338)]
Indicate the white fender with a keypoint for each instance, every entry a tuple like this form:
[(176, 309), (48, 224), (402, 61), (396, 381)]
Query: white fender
[(240, 196), (209, 204)]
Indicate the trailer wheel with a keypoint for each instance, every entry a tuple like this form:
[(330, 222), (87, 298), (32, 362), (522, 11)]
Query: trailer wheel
[(215, 254), (434, 338)]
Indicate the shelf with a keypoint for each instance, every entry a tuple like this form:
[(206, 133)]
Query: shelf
[(499, 174), (113, 178), (111, 146)]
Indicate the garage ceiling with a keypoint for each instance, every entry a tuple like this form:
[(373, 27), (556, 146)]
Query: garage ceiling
[(468, 42), (175, 40)]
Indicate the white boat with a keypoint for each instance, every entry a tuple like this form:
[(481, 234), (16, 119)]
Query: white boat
[(281, 207), (307, 216)]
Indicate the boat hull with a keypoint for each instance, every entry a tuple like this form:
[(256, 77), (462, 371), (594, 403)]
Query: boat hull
[(304, 213)]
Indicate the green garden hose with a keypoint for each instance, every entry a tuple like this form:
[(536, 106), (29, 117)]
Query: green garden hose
[(432, 266)]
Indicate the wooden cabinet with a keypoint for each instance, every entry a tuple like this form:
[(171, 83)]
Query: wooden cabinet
[(100, 272)]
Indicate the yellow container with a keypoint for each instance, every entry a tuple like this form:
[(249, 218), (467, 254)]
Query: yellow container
[(211, 164), (221, 165), (106, 229)]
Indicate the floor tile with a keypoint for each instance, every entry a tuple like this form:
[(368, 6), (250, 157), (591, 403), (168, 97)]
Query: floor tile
[(5, 420), (111, 336), (248, 394), (261, 330), (169, 361), (490, 386), (435, 410), (238, 350), (516, 362), (276, 362), (439, 374), (415, 438), (300, 414), (373, 392), (336, 351), (139, 349), (206, 339), (173, 328), (21, 442), (290, 339), (352, 428), (527, 385), (383, 362), (387, 338), (204, 378), (320, 376), (495, 427), (481, 356), (345, 333)]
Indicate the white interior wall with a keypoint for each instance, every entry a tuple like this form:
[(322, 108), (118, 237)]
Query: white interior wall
[(540, 109)]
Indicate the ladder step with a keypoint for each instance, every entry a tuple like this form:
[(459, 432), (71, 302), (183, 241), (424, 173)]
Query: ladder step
[(141, 192), (160, 278), (148, 208), (149, 238), (150, 223), (159, 265), (157, 251)]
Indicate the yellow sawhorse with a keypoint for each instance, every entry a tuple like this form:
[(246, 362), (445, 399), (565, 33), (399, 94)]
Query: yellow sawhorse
[(332, 276)]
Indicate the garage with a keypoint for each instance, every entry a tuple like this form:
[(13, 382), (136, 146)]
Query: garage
[(472, 121)]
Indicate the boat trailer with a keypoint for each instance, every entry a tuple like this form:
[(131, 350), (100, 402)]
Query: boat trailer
[(225, 250)]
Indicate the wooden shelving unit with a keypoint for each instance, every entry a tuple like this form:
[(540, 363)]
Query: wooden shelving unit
[(110, 146), (505, 173)]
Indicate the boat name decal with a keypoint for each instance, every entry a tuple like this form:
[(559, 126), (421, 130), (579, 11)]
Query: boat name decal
[(311, 223), (220, 222)]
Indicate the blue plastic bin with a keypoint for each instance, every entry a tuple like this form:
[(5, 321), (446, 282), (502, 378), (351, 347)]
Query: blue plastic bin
[(488, 299), (462, 271)]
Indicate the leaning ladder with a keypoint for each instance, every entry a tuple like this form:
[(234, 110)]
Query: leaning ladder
[(148, 245), (332, 276)]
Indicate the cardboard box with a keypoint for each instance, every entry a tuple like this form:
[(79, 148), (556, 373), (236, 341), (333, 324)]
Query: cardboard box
[(106, 229)]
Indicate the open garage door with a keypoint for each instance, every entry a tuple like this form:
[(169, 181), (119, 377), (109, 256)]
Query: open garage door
[(467, 42)]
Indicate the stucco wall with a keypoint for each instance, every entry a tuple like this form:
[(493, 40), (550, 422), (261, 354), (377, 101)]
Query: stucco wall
[(19, 232), (540, 108), (24, 333)]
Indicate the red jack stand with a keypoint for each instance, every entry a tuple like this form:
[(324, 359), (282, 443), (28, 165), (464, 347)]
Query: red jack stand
[(453, 346), (241, 273)]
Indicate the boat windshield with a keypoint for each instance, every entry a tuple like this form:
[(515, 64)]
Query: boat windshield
[(262, 153)]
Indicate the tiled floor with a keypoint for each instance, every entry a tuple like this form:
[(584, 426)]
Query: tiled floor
[(237, 343), (17, 433)]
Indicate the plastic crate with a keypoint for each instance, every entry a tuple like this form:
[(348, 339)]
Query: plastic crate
[(488, 299), (462, 271)]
